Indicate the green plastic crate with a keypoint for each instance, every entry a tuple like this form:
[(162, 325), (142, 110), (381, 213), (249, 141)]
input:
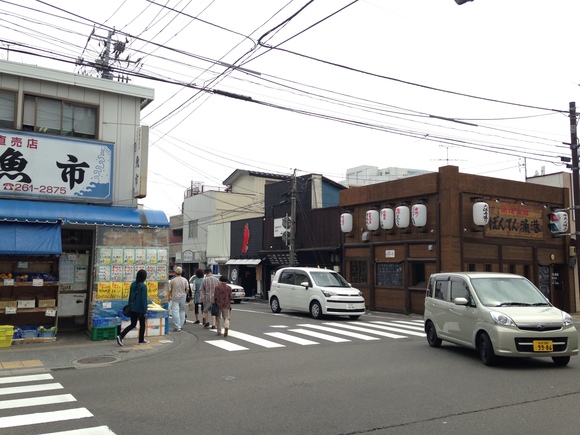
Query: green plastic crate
[(100, 333), (6, 333)]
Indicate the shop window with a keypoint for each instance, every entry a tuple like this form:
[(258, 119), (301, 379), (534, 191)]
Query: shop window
[(488, 267), (418, 275), (7, 109), (512, 268), (56, 117), (471, 267), (358, 272)]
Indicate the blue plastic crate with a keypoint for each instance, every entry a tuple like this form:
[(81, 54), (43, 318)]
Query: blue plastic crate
[(28, 331)]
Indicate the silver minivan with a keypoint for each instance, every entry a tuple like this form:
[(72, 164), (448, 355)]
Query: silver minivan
[(318, 291), (497, 314)]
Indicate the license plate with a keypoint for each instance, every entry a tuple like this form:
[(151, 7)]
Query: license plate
[(350, 306), (543, 346)]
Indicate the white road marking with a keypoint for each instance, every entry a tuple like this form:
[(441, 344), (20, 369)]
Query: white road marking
[(320, 335), (291, 338), (29, 388), (358, 328), (100, 430), (226, 345), (340, 332), (27, 378), (36, 401), (397, 328), (255, 340), (44, 417)]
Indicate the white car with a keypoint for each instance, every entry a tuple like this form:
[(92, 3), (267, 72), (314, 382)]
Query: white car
[(498, 314), (238, 291), (317, 291)]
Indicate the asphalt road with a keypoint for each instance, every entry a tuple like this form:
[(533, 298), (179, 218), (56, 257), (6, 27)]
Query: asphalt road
[(369, 384)]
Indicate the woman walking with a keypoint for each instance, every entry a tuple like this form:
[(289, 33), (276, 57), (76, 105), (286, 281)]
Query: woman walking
[(138, 303), (196, 296)]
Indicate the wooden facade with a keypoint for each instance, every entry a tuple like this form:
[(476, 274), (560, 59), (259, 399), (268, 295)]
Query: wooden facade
[(391, 266)]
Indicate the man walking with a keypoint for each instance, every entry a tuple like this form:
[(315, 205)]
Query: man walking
[(178, 288), (207, 296), (223, 299)]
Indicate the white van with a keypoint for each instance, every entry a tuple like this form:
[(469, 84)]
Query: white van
[(318, 291)]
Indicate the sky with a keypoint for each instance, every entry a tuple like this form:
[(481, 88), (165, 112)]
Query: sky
[(321, 86)]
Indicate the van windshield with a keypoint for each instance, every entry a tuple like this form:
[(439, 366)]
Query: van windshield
[(328, 279), (498, 292)]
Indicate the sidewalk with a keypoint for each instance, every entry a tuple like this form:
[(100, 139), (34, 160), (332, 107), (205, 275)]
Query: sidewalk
[(77, 350)]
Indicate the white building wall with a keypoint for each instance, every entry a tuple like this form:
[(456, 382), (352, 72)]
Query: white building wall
[(118, 116)]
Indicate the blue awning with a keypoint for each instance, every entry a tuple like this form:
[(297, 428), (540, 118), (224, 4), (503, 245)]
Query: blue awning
[(13, 210), (38, 239)]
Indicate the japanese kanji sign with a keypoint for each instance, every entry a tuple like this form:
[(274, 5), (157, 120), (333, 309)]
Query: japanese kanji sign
[(42, 166)]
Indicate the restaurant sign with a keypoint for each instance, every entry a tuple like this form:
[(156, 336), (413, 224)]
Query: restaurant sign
[(55, 167), (515, 221)]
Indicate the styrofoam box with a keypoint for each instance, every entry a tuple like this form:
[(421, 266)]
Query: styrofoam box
[(26, 303), (155, 328)]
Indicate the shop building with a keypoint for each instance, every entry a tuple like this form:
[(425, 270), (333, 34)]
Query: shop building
[(73, 164), (395, 234)]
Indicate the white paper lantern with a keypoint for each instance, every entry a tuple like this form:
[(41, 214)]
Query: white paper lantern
[(372, 220), (480, 213), (402, 216), (387, 218), (346, 222), (419, 215)]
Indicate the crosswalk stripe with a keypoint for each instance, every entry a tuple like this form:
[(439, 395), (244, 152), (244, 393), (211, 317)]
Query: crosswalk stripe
[(418, 323), (44, 417), (226, 345), (383, 325), (358, 328), (320, 335), (29, 388), (100, 430), (26, 378), (255, 340), (338, 331), (291, 338), (36, 401)]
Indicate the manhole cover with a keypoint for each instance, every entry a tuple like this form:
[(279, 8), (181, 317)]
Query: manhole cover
[(97, 360)]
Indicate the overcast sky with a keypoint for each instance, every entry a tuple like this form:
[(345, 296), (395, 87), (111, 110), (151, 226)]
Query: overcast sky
[(326, 85)]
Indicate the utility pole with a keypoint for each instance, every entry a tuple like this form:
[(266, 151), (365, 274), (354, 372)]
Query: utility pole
[(293, 219), (574, 150)]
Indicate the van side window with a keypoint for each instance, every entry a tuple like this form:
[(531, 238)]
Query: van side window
[(441, 290), (459, 290), (287, 278), (299, 278)]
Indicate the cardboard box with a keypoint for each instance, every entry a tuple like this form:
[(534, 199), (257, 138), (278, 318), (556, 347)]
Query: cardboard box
[(27, 302), (46, 302), (6, 302)]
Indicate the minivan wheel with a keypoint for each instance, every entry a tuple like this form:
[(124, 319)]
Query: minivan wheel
[(485, 348), (561, 361), (354, 317), (432, 338), (274, 304), (315, 310)]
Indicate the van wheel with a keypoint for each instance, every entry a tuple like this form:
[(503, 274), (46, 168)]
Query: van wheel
[(237, 301), (354, 317), (274, 304), (316, 310), (485, 348), (432, 338), (561, 361)]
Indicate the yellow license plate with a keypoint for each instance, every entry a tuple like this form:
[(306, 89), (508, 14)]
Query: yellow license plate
[(543, 346)]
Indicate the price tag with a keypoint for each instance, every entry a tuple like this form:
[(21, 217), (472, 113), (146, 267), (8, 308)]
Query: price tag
[(107, 304), (9, 281), (51, 312), (10, 310), (37, 282)]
